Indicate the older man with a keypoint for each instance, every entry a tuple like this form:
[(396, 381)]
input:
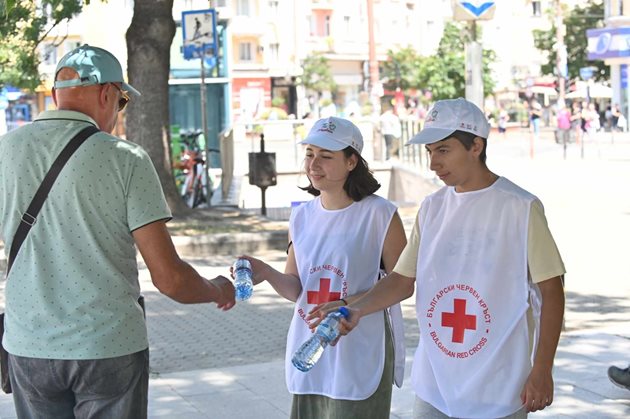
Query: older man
[(74, 330)]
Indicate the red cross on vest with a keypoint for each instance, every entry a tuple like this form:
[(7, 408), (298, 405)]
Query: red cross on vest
[(459, 320), (323, 295)]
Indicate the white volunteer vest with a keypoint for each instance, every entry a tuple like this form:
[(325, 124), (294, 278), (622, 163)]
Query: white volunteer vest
[(338, 254), (471, 302)]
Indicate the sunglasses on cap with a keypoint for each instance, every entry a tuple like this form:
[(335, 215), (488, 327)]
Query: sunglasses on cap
[(124, 97)]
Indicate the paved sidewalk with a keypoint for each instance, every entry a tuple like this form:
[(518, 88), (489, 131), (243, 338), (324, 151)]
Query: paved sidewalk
[(210, 364)]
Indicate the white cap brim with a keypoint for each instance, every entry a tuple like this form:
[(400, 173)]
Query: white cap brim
[(431, 135), (324, 141)]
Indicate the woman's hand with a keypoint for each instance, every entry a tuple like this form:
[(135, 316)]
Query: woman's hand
[(259, 269)]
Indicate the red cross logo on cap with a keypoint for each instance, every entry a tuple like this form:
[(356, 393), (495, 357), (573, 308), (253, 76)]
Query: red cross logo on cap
[(459, 320), (323, 295)]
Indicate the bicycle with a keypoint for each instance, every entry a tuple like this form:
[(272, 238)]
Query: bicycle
[(191, 177)]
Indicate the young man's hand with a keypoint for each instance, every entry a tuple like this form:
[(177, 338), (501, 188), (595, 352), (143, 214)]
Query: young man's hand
[(538, 390)]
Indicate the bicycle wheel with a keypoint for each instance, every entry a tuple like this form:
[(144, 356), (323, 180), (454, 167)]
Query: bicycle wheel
[(198, 195)]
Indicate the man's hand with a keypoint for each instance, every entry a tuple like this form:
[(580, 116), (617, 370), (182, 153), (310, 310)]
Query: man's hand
[(538, 390), (225, 298), (320, 311), (345, 325)]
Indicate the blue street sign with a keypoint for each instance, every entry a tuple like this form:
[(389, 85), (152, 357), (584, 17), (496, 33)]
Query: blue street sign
[(199, 29), (586, 73), (624, 76), (477, 10), (473, 10)]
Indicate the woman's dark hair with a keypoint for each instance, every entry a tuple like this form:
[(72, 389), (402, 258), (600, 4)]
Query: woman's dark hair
[(467, 139), (360, 182)]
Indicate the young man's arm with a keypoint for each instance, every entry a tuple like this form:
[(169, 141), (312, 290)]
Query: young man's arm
[(388, 291), (538, 390)]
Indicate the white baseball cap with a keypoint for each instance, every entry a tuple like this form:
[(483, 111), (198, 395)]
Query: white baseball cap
[(448, 116), (334, 134)]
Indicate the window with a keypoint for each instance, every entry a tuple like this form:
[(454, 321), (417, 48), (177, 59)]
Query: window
[(273, 8), (346, 26), (245, 51), (242, 8), (221, 3), (536, 8), (320, 22), (274, 52)]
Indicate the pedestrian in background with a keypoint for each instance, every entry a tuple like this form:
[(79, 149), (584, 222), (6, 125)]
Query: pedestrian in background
[(488, 277), (74, 328), (535, 114), (576, 121), (391, 131), (503, 118), (616, 113), (337, 245), (563, 118)]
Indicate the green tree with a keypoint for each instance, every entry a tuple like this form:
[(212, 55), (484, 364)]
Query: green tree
[(317, 77), (23, 26), (316, 74), (149, 40), (577, 20), (401, 69), (443, 73)]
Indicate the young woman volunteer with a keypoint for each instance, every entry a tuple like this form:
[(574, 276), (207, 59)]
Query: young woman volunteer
[(338, 243)]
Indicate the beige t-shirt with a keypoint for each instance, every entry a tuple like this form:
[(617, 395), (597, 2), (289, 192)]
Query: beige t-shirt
[(543, 257)]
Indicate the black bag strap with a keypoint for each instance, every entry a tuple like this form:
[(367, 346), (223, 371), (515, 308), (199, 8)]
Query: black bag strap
[(30, 216)]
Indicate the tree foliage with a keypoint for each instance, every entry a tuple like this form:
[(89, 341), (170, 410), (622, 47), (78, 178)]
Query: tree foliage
[(576, 20), (316, 74), (401, 69), (23, 25), (444, 73)]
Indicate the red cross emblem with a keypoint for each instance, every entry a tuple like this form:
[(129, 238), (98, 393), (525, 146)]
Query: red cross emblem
[(459, 320), (323, 295)]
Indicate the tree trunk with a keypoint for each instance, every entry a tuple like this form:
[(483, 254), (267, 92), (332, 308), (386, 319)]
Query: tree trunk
[(149, 39)]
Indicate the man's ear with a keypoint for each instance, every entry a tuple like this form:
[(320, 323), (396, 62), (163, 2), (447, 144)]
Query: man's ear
[(477, 145)]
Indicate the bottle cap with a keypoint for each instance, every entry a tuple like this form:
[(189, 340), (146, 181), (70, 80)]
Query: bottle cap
[(242, 263), (344, 312)]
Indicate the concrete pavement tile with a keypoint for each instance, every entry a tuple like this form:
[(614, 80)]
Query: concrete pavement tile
[(237, 405), (571, 401), (191, 383), (170, 405), (7, 411)]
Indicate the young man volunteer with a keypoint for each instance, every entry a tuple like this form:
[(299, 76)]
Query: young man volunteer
[(488, 274)]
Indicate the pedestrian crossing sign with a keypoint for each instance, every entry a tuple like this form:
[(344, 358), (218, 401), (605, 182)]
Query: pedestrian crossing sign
[(199, 29)]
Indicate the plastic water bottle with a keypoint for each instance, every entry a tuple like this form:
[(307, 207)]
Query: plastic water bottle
[(243, 285), (326, 332)]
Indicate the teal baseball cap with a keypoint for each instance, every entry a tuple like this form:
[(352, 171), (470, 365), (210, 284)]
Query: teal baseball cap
[(94, 66)]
